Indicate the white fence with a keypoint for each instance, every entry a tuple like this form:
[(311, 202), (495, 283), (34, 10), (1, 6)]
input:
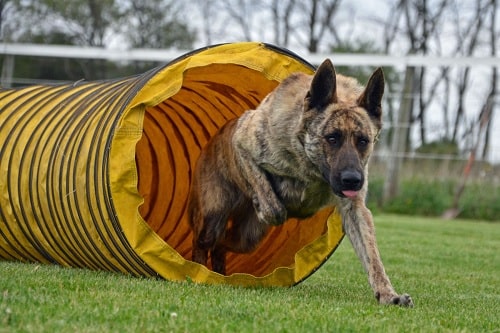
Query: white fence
[(9, 51), (164, 55)]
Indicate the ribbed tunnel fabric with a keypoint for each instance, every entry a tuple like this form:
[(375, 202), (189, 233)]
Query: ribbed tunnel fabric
[(97, 174)]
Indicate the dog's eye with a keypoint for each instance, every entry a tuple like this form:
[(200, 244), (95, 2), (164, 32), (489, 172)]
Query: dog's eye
[(333, 139), (363, 142)]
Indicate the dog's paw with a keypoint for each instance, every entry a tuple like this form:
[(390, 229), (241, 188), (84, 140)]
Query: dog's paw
[(403, 300), (271, 213)]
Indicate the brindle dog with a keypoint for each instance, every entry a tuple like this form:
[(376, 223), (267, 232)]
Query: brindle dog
[(305, 147)]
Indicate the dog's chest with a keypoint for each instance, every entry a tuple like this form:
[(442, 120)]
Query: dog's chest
[(303, 199)]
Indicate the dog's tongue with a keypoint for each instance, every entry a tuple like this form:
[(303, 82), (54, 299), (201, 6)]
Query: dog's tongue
[(350, 194)]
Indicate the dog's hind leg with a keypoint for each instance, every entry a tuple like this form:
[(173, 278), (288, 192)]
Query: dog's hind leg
[(359, 227), (219, 259), (199, 254), (207, 237)]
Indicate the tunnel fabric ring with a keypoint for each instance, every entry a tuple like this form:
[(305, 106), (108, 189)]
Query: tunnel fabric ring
[(97, 174)]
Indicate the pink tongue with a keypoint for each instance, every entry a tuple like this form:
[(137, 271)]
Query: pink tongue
[(350, 194)]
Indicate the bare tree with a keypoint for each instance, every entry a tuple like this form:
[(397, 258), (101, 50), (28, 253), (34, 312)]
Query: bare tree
[(490, 100), (8, 62), (307, 22), (418, 23), (484, 120), (12, 21), (318, 21), (154, 24), (409, 20), (392, 24), (3, 11), (467, 41), (242, 13), (430, 21), (208, 15), (282, 11), (399, 137)]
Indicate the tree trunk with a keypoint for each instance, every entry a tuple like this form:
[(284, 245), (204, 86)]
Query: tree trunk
[(7, 71), (399, 137), (484, 120), (491, 103), (494, 78)]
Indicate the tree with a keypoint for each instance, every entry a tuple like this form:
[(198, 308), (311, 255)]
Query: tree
[(208, 17), (418, 23), (421, 24), (73, 22), (282, 11), (7, 60), (494, 77), (318, 21), (84, 22), (242, 13), (154, 24), (468, 39), (308, 22), (4, 9)]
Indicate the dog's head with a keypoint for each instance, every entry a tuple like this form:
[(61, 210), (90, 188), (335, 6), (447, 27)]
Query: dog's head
[(341, 122)]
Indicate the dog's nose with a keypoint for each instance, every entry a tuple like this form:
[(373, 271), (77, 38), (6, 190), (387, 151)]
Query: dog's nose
[(350, 179)]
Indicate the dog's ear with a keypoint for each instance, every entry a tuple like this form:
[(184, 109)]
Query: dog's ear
[(371, 98), (323, 90)]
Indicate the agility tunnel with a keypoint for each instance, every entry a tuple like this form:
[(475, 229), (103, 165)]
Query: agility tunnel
[(97, 174)]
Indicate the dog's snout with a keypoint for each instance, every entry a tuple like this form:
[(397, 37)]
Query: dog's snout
[(351, 179)]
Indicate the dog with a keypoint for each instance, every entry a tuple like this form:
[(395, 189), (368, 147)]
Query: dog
[(305, 147)]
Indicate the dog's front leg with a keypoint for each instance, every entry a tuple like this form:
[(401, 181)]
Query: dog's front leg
[(269, 209), (359, 227)]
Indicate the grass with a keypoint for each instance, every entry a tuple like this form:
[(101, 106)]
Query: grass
[(451, 269)]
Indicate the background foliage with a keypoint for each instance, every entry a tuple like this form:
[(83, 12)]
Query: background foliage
[(433, 198)]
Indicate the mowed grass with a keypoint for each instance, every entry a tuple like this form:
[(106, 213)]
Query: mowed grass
[(451, 269)]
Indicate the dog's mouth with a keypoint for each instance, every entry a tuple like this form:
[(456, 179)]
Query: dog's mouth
[(350, 194), (347, 184)]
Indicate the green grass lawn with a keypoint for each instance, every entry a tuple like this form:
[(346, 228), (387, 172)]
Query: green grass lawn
[(451, 269)]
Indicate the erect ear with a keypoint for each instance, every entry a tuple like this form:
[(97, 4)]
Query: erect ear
[(371, 98), (323, 90)]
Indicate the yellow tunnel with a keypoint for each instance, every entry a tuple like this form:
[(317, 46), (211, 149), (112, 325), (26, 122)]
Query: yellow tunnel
[(97, 174)]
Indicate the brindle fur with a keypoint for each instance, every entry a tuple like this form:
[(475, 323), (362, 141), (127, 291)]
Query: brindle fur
[(305, 147)]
